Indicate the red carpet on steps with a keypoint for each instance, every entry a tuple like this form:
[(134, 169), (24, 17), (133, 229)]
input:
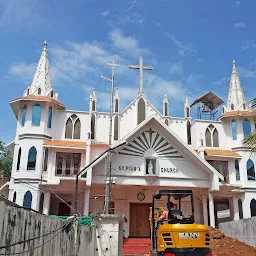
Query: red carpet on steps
[(136, 246)]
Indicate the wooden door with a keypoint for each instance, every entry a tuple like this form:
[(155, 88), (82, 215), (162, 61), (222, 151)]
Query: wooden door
[(139, 220)]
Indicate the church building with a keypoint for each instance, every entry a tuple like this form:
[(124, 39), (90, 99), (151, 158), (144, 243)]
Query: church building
[(149, 151)]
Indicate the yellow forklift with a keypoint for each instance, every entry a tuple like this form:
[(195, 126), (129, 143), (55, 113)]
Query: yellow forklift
[(177, 235)]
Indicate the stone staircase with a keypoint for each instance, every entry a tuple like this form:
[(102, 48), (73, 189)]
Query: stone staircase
[(136, 246)]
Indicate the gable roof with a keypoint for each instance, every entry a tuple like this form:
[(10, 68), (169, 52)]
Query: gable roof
[(188, 151)]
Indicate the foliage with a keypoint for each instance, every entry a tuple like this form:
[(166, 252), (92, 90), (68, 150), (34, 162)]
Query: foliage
[(5, 162), (250, 141)]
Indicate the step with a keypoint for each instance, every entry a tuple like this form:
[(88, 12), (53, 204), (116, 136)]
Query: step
[(136, 246)]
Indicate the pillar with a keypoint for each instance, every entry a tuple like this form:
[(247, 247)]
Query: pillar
[(211, 210), (235, 208), (86, 201), (47, 201), (205, 212)]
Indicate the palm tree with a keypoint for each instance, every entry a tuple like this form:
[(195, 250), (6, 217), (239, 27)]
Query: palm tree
[(250, 141)]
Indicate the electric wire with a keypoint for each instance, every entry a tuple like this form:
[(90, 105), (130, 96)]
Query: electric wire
[(32, 249)]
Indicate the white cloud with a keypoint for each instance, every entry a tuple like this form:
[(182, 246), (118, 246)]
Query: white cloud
[(176, 68), (105, 14), (248, 45), (183, 48), (23, 70), (222, 81), (239, 25), (246, 72), (132, 4)]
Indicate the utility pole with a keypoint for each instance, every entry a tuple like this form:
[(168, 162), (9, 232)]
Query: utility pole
[(108, 177)]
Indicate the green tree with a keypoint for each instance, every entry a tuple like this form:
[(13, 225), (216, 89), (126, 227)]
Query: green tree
[(250, 142), (5, 162)]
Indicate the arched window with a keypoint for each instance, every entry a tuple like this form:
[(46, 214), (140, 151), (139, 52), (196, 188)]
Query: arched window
[(250, 170), (39, 91), (27, 200), (253, 207), (187, 112), (14, 197), (244, 106), (240, 209), (116, 128), (36, 115), (211, 136), (46, 152), (77, 129), (234, 130), (93, 127), (166, 122), (18, 160), (166, 109), (232, 107), (237, 170), (23, 115), (41, 203), (50, 117), (73, 128), (189, 132), (32, 159), (52, 94), (141, 111), (27, 91), (116, 105), (246, 128), (93, 105)]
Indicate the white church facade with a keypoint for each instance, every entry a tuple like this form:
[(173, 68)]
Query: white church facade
[(149, 151)]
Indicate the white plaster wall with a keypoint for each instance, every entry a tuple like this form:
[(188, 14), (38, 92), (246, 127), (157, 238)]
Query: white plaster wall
[(246, 200), (179, 127)]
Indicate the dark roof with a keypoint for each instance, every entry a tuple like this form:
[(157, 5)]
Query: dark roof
[(210, 100), (182, 193)]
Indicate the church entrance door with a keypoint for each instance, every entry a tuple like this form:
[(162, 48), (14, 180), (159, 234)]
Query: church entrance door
[(139, 220)]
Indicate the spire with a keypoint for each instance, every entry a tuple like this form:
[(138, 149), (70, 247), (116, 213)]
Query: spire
[(186, 108), (165, 105), (116, 101), (236, 99), (93, 100), (116, 95), (42, 83)]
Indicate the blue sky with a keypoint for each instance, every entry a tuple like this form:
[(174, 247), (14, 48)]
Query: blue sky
[(190, 44)]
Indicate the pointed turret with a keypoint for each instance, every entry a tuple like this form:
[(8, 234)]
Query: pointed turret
[(186, 108), (116, 99), (93, 100), (42, 83), (165, 105), (236, 99)]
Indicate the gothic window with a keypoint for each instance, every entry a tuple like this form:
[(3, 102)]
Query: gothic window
[(166, 122), (253, 207), (67, 164), (232, 107), (237, 170), (234, 130), (36, 115), (46, 152), (27, 91), (141, 110), (14, 197), (166, 109), (41, 203), (221, 167), (250, 170), (93, 105), (27, 200), (116, 126), (116, 105), (93, 127), (211, 136), (39, 91), (73, 128), (18, 161), (187, 112), (50, 117), (52, 94), (246, 128), (23, 115), (189, 132), (244, 106), (240, 208), (32, 159)]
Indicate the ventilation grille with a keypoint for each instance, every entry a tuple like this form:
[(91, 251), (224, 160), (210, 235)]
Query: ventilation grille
[(167, 239), (207, 239)]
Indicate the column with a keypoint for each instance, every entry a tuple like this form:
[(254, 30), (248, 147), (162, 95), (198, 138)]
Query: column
[(211, 210), (205, 212), (86, 201), (235, 208), (47, 201)]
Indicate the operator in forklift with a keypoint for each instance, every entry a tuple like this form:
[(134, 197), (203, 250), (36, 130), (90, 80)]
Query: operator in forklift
[(171, 211)]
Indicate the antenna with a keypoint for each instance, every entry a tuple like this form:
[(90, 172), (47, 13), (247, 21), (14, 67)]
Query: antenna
[(108, 170)]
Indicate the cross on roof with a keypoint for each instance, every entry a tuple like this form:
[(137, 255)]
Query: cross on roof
[(141, 67)]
